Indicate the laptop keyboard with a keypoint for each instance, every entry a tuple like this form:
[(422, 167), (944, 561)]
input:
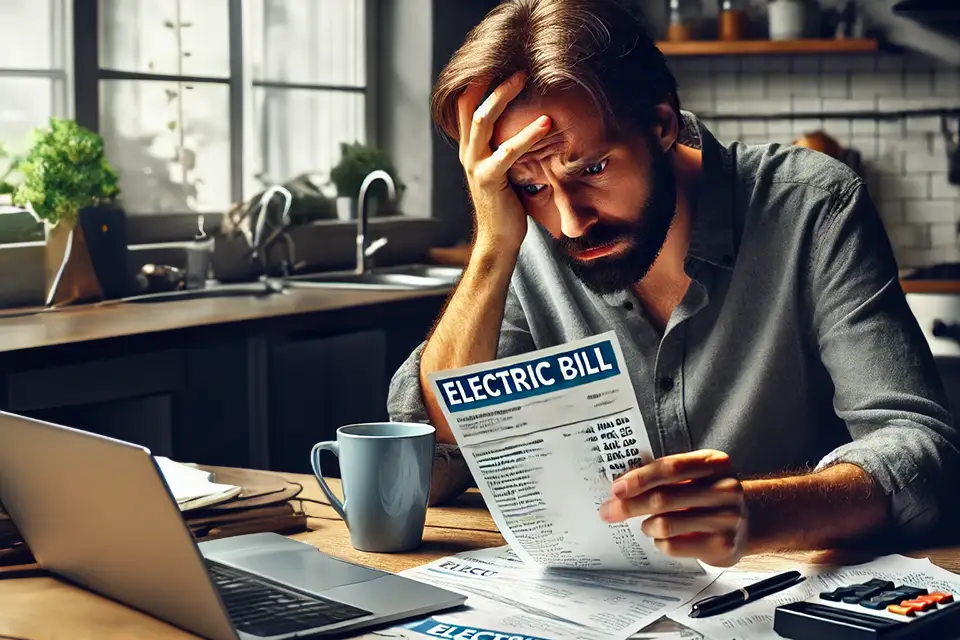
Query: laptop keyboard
[(261, 608)]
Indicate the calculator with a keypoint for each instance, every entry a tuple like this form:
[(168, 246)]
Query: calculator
[(876, 609)]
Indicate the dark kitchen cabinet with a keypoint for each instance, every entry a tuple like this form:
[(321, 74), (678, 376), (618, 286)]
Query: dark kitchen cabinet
[(316, 386)]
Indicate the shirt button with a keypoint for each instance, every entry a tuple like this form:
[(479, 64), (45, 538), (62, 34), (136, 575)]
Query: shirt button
[(628, 305), (665, 384)]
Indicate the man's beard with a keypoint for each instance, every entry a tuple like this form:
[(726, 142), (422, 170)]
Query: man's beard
[(646, 237)]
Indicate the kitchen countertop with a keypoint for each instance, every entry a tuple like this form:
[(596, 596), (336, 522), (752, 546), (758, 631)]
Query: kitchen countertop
[(113, 319)]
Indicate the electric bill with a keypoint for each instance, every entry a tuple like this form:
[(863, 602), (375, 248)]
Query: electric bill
[(545, 434)]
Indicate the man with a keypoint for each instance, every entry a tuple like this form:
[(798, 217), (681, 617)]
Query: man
[(787, 391)]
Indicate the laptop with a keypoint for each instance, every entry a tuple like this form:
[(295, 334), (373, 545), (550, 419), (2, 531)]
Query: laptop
[(97, 512)]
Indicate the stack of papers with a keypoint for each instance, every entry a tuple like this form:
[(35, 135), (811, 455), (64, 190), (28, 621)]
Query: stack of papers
[(192, 487)]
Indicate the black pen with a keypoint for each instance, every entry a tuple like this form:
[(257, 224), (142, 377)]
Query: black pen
[(728, 601)]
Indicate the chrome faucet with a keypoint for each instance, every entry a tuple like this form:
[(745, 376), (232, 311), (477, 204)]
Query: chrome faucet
[(365, 251), (259, 244)]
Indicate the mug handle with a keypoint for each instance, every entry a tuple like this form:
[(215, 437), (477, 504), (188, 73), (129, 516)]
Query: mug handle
[(334, 448)]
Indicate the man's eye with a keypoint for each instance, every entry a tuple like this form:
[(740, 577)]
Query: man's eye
[(597, 168), (531, 189)]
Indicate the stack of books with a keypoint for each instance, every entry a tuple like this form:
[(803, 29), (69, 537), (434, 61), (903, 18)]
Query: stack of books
[(216, 502)]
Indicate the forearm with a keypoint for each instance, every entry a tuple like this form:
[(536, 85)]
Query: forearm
[(468, 330), (813, 511)]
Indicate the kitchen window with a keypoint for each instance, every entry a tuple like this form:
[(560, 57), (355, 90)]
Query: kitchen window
[(34, 69), (201, 103)]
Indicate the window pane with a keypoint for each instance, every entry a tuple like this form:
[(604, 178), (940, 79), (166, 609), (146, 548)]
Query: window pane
[(33, 34), (145, 125), (300, 131), (173, 37), (27, 103), (307, 41)]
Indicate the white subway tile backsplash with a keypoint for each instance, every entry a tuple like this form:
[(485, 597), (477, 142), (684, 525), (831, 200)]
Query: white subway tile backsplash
[(913, 236), (914, 189), (891, 211), (928, 211), (806, 64), (754, 128), (779, 85), (946, 84), (727, 63), (941, 189), (752, 86), (834, 85), (866, 145), (923, 124), (864, 127), (807, 105), (726, 85), (887, 128), (943, 234), (903, 159), (925, 163), (780, 127), (871, 85)]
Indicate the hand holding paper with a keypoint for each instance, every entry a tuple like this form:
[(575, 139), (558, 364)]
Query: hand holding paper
[(695, 505)]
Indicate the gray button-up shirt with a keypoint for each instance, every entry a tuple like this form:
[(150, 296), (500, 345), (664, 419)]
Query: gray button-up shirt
[(792, 349)]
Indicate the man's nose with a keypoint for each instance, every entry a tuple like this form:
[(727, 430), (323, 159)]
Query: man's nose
[(574, 220)]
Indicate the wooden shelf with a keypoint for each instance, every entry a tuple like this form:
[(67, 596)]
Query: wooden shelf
[(765, 47)]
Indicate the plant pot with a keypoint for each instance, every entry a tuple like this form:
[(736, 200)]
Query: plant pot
[(69, 273), (346, 208)]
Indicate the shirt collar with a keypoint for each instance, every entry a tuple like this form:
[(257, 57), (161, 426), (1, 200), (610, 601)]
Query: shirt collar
[(712, 236)]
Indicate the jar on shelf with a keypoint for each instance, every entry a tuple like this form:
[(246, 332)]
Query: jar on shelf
[(684, 18), (787, 19), (732, 20)]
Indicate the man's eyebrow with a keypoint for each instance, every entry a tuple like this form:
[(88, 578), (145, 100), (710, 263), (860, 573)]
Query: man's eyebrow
[(571, 167)]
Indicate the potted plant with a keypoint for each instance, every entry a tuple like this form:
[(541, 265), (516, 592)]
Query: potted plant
[(64, 173), (357, 160)]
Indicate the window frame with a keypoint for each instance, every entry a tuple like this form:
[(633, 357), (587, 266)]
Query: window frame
[(87, 75)]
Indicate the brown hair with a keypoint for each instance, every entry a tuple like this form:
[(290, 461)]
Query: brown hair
[(597, 45)]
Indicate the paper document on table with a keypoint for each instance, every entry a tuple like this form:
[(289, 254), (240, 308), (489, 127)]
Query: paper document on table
[(193, 488), (544, 435), (509, 597), (754, 621)]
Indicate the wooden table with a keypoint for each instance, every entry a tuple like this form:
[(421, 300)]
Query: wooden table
[(48, 609)]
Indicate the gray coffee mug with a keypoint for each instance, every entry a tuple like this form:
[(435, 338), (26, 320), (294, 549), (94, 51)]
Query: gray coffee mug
[(385, 470)]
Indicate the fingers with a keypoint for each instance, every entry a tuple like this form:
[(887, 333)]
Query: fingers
[(466, 105), (664, 499), (487, 114), (672, 469), (511, 150), (718, 549), (671, 525)]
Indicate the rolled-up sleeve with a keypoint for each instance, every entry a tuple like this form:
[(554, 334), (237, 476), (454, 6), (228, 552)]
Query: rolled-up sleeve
[(405, 396), (887, 387)]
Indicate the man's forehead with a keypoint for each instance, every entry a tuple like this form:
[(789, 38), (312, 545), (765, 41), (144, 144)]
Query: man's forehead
[(573, 130)]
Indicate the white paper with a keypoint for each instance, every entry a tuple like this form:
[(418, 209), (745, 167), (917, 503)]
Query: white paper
[(511, 598), (193, 488), (755, 621), (545, 434)]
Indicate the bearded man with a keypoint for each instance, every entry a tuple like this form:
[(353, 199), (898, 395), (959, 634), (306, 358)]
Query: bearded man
[(787, 391)]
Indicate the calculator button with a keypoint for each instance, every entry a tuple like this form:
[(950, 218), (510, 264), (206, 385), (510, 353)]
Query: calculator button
[(917, 604), (882, 601), (911, 592), (862, 593), (901, 611)]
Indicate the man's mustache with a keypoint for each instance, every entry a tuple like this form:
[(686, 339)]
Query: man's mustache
[(599, 235)]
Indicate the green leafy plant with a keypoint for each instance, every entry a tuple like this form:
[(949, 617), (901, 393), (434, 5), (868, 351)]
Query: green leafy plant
[(65, 171), (356, 162), (6, 186)]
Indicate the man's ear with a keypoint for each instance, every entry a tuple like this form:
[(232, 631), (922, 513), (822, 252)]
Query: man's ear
[(666, 127)]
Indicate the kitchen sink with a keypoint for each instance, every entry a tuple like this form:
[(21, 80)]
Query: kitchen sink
[(252, 290), (405, 278)]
